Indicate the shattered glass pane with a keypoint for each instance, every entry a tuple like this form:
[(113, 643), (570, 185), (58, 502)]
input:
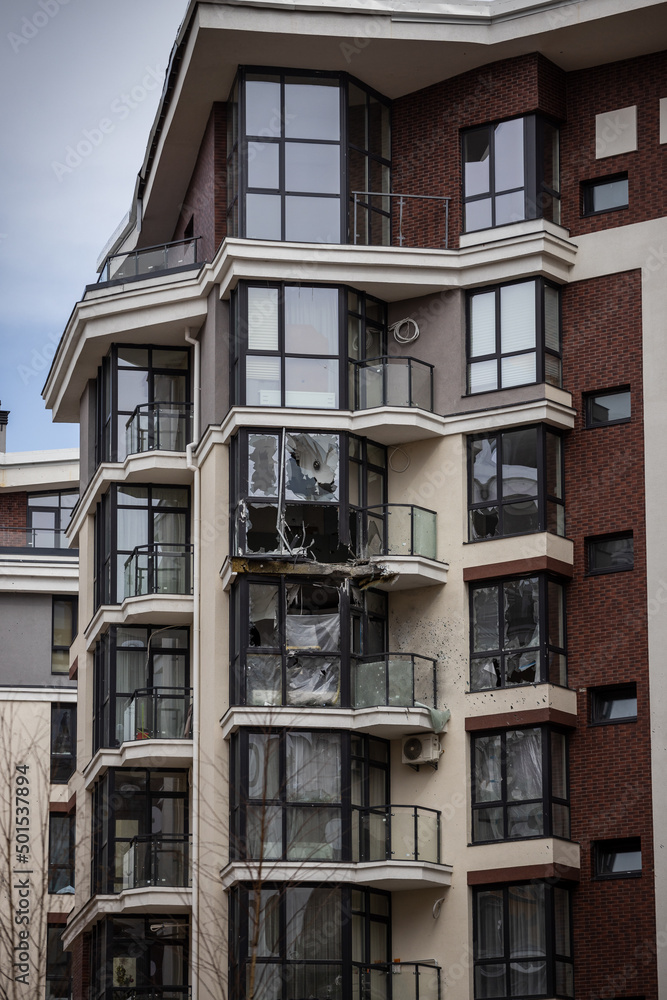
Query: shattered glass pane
[(521, 607), (484, 674), (312, 467), (313, 680), (263, 465), (485, 619), (263, 682), (263, 625), (523, 668), (484, 469), (312, 632), (260, 528)]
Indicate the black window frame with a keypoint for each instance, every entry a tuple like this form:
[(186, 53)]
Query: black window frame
[(544, 647), (600, 848), (589, 187), (541, 350), (59, 865), (607, 693), (545, 501), (60, 647), (589, 402), (592, 540), (552, 957), (537, 194), (63, 762), (61, 514), (144, 935), (58, 971), (547, 800)]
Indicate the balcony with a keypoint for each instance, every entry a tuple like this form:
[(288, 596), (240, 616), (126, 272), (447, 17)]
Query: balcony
[(409, 981), (157, 861), (41, 539), (391, 381), (402, 680), (397, 529), (396, 833), (150, 260), (161, 568), (413, 221), (159, 427), (159, 713), (147, 993)]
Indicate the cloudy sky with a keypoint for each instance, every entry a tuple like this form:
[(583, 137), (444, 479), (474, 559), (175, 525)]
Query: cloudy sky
[(66, 66)]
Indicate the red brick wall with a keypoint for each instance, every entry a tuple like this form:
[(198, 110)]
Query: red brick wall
[(641, 82), (206, 198), (614, 923), (81, 968), (426, 143), (13, 514)]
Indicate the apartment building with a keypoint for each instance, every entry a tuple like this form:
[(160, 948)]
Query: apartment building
[(38, 620), (372, 605)]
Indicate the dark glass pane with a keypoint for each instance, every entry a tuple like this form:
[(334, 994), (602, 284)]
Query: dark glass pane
[(521, 613), (484, 523), (551, 162), (606, 555), (604, 408), (476, 163), (519, 470), (490, 927)]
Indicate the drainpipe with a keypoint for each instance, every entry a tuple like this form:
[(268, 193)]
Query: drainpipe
[(193, 463)]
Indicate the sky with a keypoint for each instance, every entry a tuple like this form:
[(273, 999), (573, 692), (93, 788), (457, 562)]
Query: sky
[(66, 66)]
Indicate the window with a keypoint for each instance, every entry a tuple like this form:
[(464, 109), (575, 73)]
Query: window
[(604, 194), (515, 483), (614, 704), (610, 553), (63, 743), (58, 965), (147, 954), (61, 853), (140, 830), (611, 407), (63, 631), (618, 858), (517, 633), (523, 941), (142, 542), (511, 173), (514, 336), (314, 941), (49, 515), (520, 785), (290, 162), (143, 401)]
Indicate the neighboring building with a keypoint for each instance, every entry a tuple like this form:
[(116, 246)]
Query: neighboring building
[(371, 393), (38, 620)]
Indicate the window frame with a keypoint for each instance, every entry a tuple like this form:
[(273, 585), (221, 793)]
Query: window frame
[(589, 187), (596, 695), (61, 762), (600, 847), (589, 401), (62, 515), (62, 983), (56, 867), (592, 540), (540, 349), (102, 986), (60, 647)]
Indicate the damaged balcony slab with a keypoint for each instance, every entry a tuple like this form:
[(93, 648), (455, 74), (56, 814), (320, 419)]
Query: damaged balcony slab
[(366, 574)]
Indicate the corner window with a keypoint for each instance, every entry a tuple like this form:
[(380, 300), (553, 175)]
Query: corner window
[(611, 407), (617, 858), (514, 336), (58, 965), (522, 938), (147, 955), (614, 704), (517, 633), (610, 553), (63, 743), (511, 173), (604, 194), (520, 785), (49, 515), (515, 483), (63, 631), (61, 853)]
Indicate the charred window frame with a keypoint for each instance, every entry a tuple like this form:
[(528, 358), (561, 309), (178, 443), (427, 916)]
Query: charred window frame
[(63, 742), (510, 173), (146, 667), (48, 517), (128, 805), (292, 641), (520, 784), (515, 483), (517, 632), (132, 376), (327, 940), (299, 493), (132, 951), (514, 336), (522, 941), (295, 791)]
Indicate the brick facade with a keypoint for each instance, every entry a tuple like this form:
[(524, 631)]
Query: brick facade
[(13, 514), (206, 198)]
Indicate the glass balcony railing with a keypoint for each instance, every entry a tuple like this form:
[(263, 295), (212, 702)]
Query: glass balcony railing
[(35, 538), (414, 216), (158, 713), (396, 833), (159, 427), (400, 981), (163, 568), (393, 679), (157, 861), (397, 529), (146, 993), (391, 381), (142, 263)]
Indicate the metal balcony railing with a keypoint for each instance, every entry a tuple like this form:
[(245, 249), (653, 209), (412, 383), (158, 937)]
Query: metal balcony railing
[(158, 713), (157, 861), (162, 568), (400, 981), (35, 538), (361, 204), (159, 427), (391, 381), (397, 529), (393, 679), (131, 992), (396, 833), (142, 263)]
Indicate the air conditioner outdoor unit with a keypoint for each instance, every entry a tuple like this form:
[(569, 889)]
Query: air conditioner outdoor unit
[(421, 749)]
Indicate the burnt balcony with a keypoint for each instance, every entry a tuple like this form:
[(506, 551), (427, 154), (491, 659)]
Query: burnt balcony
[(161, 568), (158, 861), (178, 255), (159, 427), (391, 381), (158, 713)]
